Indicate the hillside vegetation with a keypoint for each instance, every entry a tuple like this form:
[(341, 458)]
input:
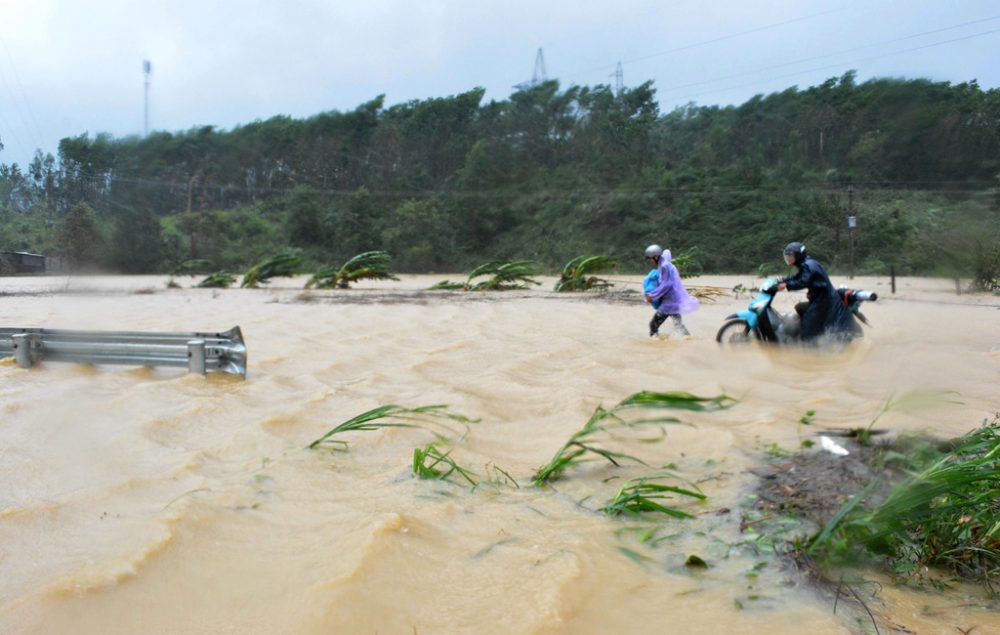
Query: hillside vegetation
[(546, 175)]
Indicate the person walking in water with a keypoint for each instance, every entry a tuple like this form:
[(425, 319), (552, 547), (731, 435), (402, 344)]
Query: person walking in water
[(665, 292)]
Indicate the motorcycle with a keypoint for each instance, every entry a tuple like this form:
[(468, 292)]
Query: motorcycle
[(762, 322)]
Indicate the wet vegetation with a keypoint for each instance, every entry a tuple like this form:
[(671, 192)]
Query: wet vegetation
[(218, 280), (501, 275), (919, 509), (436, 419), (283, 265), (579, 274), (431, 463), (591, 441), (647, 493), (370, 265), (986, 277), (944, 514)]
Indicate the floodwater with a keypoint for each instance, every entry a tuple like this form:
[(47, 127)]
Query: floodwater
[(152, 501)]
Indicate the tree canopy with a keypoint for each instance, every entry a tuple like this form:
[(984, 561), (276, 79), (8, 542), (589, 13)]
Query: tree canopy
[(545, 175)]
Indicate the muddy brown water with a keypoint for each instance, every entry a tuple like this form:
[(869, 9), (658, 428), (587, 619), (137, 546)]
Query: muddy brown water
[(147, 500)]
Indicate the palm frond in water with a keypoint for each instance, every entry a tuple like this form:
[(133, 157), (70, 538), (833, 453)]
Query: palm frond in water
[(579, 273), (506, 275), (218, 280), (285, 264), (370, 265), (448, 285)]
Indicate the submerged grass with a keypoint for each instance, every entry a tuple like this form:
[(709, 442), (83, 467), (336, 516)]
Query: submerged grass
[(585, 443), (945, 514), (431, 463), (436, 419), (644, 494)]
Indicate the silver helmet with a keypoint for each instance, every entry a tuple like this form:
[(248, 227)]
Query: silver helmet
[(654, 251)]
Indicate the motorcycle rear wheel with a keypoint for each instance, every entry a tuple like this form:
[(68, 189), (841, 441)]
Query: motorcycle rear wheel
[(736, 332)]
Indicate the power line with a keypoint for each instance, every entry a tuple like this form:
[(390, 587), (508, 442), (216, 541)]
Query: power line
[(923, 185), (841, 65), (686, 47), (835, 53)]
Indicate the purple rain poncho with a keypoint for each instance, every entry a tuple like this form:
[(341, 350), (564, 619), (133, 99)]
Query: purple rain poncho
[(670, 293)]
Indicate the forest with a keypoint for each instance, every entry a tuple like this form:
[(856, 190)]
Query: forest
[(546, 175)]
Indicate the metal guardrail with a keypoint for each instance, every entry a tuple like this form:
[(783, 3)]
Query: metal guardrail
[(198, 352)]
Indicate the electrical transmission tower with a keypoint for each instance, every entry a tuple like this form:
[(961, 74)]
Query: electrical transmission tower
[(619, 79), (538, 76), (147, 68)]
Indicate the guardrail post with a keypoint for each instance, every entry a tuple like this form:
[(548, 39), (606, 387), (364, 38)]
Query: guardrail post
[(196, 356), (199, 352), (22, 349)]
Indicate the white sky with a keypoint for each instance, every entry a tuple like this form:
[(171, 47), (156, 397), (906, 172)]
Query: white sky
[(70, 66)]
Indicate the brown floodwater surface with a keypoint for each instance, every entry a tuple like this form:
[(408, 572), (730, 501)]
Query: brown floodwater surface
[(150, 501)]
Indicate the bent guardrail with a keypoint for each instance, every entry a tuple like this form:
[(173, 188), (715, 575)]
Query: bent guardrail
[(198, 352)]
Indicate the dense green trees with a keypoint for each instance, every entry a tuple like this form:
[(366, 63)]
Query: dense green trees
[(79, 241), (547, 174)]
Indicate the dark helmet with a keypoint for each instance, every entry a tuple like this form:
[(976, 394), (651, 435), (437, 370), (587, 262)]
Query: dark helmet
[(654, 251), (796, 250)]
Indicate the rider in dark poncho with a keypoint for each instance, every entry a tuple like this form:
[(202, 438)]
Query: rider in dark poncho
[(825, 312)]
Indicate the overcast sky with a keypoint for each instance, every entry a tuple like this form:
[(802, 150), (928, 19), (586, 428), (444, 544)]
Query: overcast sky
[(68, 66)]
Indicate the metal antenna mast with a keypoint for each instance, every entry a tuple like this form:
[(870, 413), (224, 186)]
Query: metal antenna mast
[(147, 68), (619, 76), (538, 76)]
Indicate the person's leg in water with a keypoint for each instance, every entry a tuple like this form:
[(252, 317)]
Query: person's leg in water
[(654, 324), (660, 318), (679, 325)]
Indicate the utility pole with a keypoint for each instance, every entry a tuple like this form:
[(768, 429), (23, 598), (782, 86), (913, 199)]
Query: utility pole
[(852, 224), (147, 68)]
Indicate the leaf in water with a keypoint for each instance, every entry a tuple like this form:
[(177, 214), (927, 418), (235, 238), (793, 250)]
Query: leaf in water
[(485, 550), (635, 556)]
